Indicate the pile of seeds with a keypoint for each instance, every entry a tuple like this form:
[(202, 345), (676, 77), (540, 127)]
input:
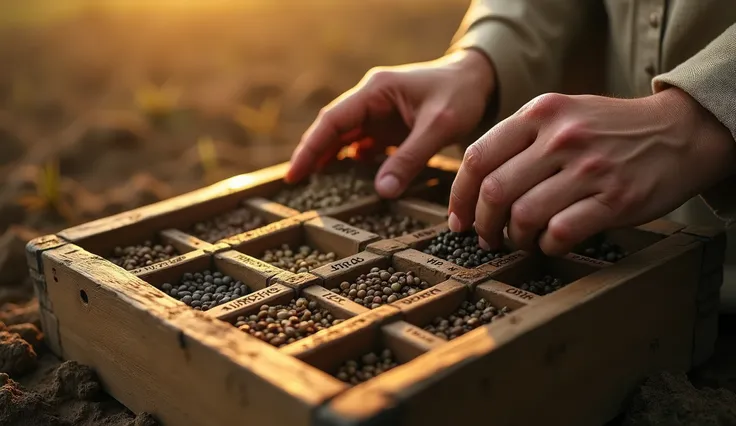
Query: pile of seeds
[(204, 290), (468, 317), (226, 225), (546, 285), (303, 260), (325, 190), (607, 251), (134, 257), (381, 286), (369, 366), (461, 248), (387, 225), (281, 325)]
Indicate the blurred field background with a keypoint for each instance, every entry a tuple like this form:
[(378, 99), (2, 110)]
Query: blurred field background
[(109, 105)]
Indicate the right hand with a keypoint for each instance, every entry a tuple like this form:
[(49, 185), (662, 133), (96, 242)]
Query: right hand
[(420, 107)]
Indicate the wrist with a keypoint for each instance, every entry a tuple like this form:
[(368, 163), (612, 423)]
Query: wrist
[(477, 67)]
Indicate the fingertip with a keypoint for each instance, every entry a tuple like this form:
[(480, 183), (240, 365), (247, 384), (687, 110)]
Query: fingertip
[(454, 223), (388, 186)]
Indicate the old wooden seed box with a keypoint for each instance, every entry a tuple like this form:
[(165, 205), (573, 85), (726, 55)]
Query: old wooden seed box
[(570, 357)]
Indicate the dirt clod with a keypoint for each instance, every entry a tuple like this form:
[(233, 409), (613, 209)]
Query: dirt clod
[(75, 381), (28, 332), (670, 399), (17, 356)]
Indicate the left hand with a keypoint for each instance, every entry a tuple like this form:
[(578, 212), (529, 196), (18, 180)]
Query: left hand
[(564, 168)]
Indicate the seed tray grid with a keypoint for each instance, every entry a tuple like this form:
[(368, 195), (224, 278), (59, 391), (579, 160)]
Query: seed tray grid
[(84, 298)]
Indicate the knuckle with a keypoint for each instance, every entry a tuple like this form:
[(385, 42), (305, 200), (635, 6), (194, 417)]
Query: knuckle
[(473, 158), (560, 231), (544, 106), (491, 190), (523, 216), (593, 165), (379, 77), (569, 135)]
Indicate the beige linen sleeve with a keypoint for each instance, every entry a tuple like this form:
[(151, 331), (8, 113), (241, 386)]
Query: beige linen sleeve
[(710, 78), (526, 40)]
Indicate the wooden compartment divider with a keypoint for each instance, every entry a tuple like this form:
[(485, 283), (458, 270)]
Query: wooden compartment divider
[(573, 354)]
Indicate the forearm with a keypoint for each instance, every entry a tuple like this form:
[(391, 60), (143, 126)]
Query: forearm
[(526, 42), (709, 78)]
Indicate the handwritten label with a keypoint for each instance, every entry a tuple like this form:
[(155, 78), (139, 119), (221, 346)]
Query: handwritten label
[(259, 232), (255, 263), (585, 259), (441, 264), (506, 260), (347, 263), (345, 229), (251, 298), (338, 331), (419, 296), (520, 293), (418, 334), (425, 233), (333, 297), (161, 265)]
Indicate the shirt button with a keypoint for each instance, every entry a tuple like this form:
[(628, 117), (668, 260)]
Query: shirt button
[(649, 69), (654, 20)]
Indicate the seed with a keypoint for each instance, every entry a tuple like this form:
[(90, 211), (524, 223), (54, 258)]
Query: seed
[(605, 250), (462, 249), (136, 256), (381, 286), (387, 225), (369, 366), (226, 225), (545, 285), (284, 323), (305, 260), (325, 190), (461, 322), (191, 288)]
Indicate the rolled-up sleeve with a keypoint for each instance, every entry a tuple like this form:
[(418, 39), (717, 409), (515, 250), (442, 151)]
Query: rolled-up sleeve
[(526, 40), (710, 78)]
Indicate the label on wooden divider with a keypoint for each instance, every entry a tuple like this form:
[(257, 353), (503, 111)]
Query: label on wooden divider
[(245, 303), (335, 302), (338, 267), (426, 262), (295, 281), (271, 207), (409, 340), (503, 262), (165, 264), (471, 277), (358, 237), (386, 247), (587, 260), (239, 239), (501, 294), (426, 304)]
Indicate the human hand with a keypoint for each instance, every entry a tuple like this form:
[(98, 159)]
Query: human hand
[(421, 107), (564, 168)]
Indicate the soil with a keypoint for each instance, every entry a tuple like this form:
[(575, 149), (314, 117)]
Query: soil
[(249, 81)]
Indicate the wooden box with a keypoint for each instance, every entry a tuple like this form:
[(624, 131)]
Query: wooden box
[(570, 357)]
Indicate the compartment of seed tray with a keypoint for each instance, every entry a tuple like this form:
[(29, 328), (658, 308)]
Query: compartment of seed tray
[(451, 309), (614, 245), (365, 346), (199, 279), (279, 317), (541, 275), (247, 215), (393, 218), (295, 248), (372, 280)]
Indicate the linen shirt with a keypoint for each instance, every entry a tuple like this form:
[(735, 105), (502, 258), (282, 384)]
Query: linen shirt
[(651, 45)]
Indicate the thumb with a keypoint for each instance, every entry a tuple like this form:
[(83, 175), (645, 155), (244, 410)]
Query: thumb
[(433, 131)]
